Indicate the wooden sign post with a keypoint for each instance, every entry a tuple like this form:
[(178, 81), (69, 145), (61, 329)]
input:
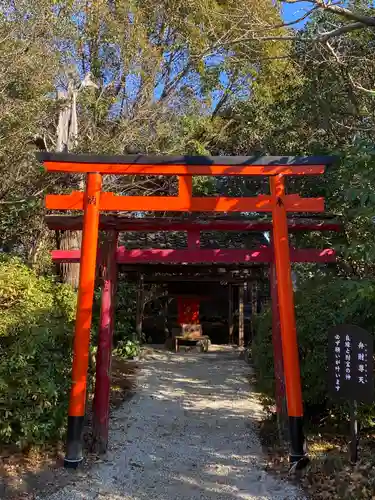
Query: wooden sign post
[(350, 368)]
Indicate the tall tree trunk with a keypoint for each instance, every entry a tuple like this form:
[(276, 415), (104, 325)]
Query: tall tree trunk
[(67, 135), (68, 272), (39, 243)]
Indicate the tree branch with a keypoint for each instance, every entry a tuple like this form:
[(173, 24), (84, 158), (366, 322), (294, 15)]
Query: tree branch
[(361, 21), (347, 28), (333, 52), (359, 87), (344, 12), (321, 37)]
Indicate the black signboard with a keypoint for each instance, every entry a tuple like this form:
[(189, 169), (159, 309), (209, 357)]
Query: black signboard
[(350, 364)]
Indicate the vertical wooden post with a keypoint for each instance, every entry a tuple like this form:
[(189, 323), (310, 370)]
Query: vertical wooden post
[(142, 301), (166, 311), (254, 303), (241, 319), (287, 321), (230, 313), (193, 239), (74, 452), (180, 313), (277, 356), (254, 297), (105, 342), (114, 288), (140, 306), (185, 189)]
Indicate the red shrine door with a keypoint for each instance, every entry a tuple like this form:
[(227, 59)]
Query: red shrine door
[(188, 311)]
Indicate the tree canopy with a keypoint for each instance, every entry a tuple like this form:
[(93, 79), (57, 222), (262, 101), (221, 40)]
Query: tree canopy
[(218, 77)]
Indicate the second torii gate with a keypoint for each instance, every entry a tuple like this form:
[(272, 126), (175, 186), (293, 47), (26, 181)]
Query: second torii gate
[(93, 200)]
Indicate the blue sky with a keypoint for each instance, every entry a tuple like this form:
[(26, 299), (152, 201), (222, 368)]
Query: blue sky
[(295, 11)]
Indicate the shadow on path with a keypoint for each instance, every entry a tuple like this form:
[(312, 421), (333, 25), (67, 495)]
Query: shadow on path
[(189, 433)]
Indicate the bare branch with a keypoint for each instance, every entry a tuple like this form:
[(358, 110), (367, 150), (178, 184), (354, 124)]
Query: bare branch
[(355, 128), (341, 30), (333, 52), (361, 21), (276, 38), (344, 12), (253, 38), (321, 37), (359, 87), (296, 21)]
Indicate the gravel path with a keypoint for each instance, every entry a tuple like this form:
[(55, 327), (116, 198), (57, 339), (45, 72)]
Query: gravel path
[(187, 434)]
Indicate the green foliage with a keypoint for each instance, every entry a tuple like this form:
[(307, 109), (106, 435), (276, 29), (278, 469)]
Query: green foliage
[(321, 303), (162, 76), (36, 317), (125, 304), (27, 51), (128, 349), (125, 312)]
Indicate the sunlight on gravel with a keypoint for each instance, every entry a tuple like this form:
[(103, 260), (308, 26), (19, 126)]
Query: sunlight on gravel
[(189, 433)]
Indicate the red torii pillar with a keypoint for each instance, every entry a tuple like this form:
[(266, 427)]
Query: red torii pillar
[(81, 344), (277, 352), (105, 344), (287, 320)]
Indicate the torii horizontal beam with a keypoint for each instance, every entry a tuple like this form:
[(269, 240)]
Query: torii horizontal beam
[(111, 202), (194, 279), (202, 256), (118, 223), (198, 269)]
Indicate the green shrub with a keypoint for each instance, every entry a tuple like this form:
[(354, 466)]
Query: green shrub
[(125, 312), (36, 316), (125, 307), (127, 349), (320, 304)]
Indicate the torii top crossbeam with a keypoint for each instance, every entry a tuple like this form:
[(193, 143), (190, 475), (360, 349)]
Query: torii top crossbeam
[(185, 167)]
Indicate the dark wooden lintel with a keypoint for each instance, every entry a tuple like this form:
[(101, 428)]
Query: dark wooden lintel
[(121, 223), (140, 159), (195, 279)]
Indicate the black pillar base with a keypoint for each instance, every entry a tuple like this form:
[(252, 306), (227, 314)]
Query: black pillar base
[(298, 454), (74, 451)]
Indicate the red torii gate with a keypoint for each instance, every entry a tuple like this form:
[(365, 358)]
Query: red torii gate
[(94, 200), (192, 254)]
